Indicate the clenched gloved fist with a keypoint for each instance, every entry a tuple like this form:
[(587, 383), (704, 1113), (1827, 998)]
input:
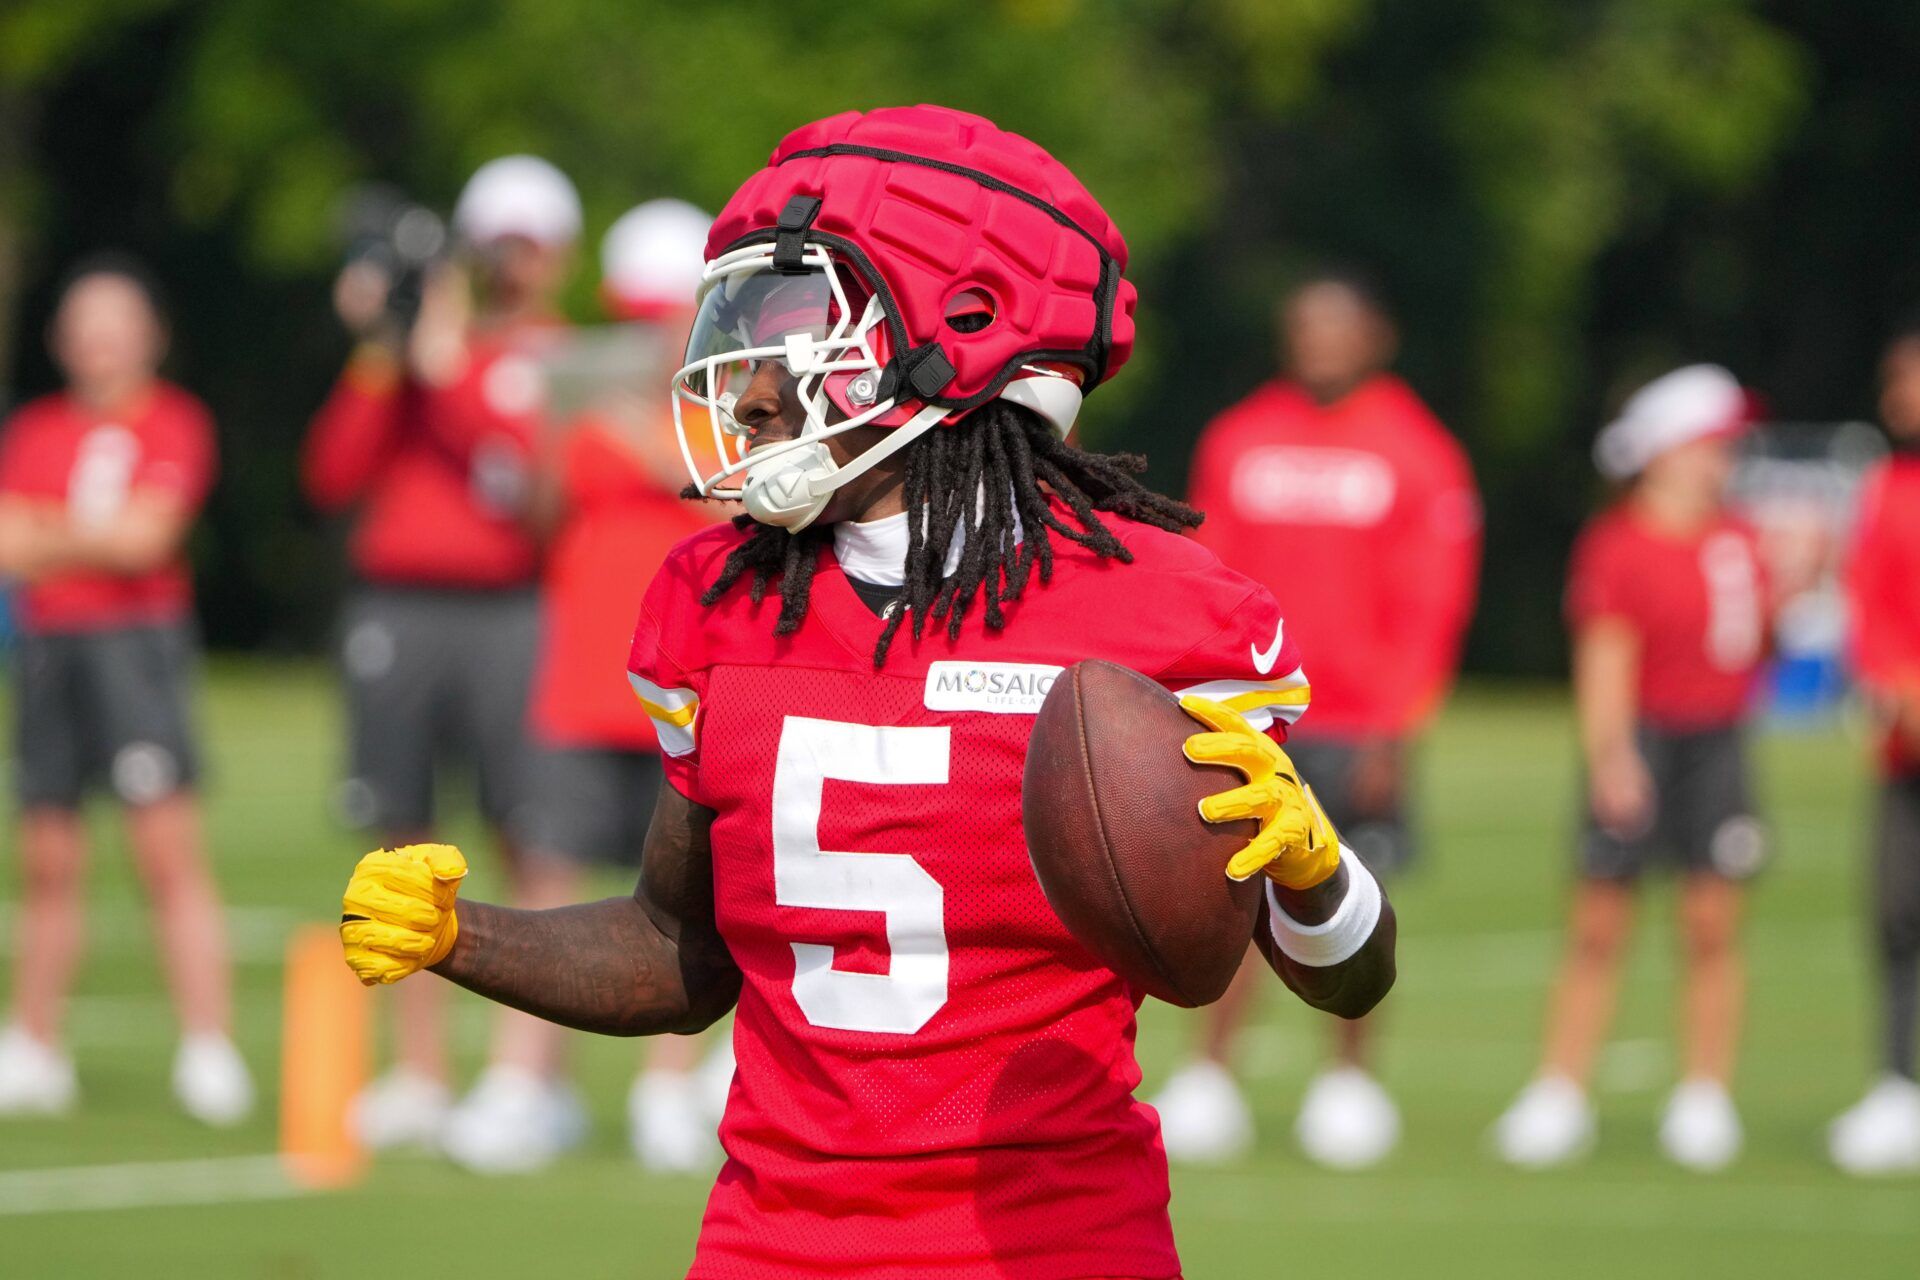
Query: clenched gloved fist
[(397, 915), (1297, 846)]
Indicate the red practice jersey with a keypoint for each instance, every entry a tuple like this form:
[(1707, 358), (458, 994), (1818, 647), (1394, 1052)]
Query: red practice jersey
[(440, 475), (1883, 586), (621, 521), (57, 451), (935, 1080), (1363, 520), (1698, 605)]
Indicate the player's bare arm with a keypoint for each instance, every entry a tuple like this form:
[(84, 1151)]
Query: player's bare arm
[(1351, 987), (645, 964), (1606, 665)]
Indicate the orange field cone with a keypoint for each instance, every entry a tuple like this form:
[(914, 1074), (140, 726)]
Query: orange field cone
[(324, 1057)]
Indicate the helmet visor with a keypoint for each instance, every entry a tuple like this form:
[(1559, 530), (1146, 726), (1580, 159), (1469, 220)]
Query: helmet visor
[(752, 316), (813, 326)]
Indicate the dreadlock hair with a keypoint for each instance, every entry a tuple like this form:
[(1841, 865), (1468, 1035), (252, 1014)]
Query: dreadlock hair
[(981, 481)]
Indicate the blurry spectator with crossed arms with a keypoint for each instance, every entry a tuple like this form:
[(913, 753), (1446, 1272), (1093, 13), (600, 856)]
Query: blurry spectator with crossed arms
[(100, 483)]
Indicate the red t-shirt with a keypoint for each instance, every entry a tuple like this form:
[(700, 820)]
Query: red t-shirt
[(440, 475), (936, 1080), (621, 521), (1363, 520), (1883, 588), (60, 452), (1697, 603)]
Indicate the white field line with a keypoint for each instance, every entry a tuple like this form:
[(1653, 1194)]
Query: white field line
[(1634, 1066), (78, 1188)]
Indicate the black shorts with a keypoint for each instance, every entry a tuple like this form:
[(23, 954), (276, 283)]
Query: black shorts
[(111, 708), (593, 804), (1896, 865), (1705, 819), (1383, 838), (435, 678)]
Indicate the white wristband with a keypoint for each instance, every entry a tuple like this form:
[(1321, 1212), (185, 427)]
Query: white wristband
[(1320, 945)]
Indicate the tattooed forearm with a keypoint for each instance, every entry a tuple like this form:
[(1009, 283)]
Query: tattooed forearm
[(602, 966), (1351, 988), (650, 963)]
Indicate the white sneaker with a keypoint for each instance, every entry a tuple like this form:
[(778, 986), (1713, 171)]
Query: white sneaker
[(36, 1079), (402, 1109), (1550, 1123), (1204, 1118), (715, 1074), (669, 1124), (1701, 1129), (1347, 1121), (514, 1121), (1881, 1132), (211, 1080)]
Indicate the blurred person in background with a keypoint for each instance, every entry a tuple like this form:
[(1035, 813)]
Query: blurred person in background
[(611, 496), (1335, 487), (1881, 1134), (1668, 603), (430, 438), (99, 486)]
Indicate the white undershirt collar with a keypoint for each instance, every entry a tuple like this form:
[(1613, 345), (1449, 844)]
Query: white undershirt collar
[(876, 550)]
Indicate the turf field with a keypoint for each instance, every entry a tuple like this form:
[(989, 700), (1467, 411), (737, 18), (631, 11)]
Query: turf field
[(1477, 942)]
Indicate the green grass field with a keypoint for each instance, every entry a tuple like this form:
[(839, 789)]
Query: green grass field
[(1477, 943)]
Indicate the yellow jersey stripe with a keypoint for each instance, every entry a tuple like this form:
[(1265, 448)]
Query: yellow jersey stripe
[(1298, 696), (679, 716)]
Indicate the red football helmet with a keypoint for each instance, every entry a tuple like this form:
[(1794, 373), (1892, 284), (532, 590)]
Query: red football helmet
[(906, 265)]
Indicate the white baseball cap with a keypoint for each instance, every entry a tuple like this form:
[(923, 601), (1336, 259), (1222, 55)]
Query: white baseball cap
[(1677, 408), (652, 258), (518, 196)]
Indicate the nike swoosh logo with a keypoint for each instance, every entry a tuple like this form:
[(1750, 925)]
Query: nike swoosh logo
[(1263, 662)]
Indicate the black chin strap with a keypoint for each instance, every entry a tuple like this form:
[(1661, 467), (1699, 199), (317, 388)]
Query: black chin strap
[(790, 233)]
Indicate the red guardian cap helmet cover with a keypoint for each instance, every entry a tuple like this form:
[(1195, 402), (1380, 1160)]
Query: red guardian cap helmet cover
[(905, 265)]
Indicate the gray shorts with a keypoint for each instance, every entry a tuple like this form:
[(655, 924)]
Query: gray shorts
[(435, 678), (1896, 865), (110, 708), (1383, 838), (593, 804), (1705, 819)]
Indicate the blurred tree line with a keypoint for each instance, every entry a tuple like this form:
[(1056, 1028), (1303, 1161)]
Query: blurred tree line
[(1559, 198)]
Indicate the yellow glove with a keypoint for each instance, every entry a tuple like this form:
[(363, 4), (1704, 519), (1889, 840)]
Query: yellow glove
[(1297, 846), (397, 915)]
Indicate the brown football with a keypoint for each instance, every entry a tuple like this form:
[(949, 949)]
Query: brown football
[(1110, 807)]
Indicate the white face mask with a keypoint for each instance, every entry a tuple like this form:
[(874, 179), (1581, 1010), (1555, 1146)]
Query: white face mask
[(805, 321), (808, 322)]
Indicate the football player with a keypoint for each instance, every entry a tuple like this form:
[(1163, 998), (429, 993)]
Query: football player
[(902, 313), (1668, 603)]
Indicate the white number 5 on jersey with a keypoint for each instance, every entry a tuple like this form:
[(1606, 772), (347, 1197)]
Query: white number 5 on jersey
[(901, 1000)]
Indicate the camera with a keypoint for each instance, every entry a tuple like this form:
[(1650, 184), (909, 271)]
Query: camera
[(405, 239)]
